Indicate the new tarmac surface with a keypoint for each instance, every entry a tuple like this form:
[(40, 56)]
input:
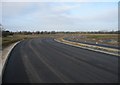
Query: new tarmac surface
[(47, 61)]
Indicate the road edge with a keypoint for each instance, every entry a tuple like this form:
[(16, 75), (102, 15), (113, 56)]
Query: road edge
[(4, 61), (88, 48)]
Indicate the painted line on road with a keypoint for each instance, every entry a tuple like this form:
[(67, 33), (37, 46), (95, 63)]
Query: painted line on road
[(88, 48)]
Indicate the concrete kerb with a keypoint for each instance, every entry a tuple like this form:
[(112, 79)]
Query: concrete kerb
[(4, 61), (87, 48)]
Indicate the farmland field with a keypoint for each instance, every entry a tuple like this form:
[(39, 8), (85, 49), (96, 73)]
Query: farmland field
[(107, 39)]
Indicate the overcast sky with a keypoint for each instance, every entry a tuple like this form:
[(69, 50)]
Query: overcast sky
[(60, 16)]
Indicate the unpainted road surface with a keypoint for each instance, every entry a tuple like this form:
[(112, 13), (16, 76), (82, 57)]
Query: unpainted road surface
[(47, 61)]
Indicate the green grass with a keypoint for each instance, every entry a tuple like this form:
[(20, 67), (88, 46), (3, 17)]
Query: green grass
[(110, 39), (99, 36)]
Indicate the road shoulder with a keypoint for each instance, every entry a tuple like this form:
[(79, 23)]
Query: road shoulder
[(105, 50)]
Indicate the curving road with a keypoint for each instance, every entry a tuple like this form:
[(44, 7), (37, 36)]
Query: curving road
[(47, 61)]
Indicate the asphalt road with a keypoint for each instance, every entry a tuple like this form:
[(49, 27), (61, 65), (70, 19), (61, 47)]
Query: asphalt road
[(47, 61)]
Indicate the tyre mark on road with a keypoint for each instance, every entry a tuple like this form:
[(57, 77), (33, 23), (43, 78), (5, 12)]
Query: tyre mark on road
[(56, 72), (80, 59), (70, 58), (30, 70)]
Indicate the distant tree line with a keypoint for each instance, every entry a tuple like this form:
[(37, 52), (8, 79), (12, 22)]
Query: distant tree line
[(36, 32), (62, 32), (6, 33), (102, 32)]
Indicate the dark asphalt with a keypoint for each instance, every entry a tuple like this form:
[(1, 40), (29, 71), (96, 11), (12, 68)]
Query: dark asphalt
[(47, 61)]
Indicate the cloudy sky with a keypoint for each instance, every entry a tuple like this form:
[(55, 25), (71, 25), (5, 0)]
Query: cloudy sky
[(60, 16)]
